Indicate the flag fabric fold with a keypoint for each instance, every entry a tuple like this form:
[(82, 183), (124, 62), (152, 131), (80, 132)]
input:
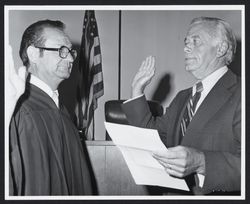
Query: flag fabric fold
[(90, 82)]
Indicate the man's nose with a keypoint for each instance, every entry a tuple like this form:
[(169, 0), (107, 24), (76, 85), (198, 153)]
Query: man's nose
[(70, 57), (187, 49)]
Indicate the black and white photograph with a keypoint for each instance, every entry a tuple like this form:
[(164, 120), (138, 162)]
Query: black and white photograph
[(124, 102)]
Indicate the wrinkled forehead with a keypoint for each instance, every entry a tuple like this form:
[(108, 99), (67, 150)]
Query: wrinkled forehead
[(202, 28), (56, 37)]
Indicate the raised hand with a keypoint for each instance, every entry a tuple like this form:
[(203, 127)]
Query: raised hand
[(181, 161), (14, 86), (143, 76)]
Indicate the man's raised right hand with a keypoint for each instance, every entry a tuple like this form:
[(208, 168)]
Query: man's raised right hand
[(143, 76)]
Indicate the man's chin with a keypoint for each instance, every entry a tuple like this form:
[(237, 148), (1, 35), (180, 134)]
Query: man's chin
[(190, 68), (65, 76)]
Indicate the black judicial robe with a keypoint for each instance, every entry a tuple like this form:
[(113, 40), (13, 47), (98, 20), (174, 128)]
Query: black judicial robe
[(46, 154)]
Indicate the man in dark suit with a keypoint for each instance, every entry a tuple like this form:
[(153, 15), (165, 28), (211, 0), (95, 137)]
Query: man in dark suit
[(202, 125)]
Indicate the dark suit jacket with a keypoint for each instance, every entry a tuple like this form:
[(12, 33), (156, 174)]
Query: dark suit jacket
[(215, 129)]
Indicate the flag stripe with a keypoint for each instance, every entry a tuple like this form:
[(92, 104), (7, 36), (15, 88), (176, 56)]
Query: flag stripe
[(98, 87), (96, 41), (97, 59), (97, 49), (98, 78), (97, 69)]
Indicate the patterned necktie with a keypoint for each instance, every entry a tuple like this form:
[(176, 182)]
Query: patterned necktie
[(190, 108)]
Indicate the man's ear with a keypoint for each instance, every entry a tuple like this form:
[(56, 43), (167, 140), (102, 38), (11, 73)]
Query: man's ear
[(222, 49), (33, 53)]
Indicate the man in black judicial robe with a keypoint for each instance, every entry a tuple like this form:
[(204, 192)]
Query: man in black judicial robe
[(46, 154)]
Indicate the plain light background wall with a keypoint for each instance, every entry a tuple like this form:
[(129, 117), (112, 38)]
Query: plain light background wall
[(143, 33)]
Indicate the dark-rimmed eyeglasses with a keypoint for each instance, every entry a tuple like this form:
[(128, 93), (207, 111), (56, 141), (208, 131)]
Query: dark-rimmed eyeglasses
[(63, 51)]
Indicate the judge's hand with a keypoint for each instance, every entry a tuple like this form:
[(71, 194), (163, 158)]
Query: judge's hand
[(15, 85), (181, 161), (143, 76)]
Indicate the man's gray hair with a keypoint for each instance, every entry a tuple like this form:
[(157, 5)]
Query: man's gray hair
[(221, 29)]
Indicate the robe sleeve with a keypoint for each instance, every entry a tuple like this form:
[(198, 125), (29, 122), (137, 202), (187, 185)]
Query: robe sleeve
[(27, 160), (15, 169)]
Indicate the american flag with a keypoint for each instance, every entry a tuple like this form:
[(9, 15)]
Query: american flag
[(90, 85)]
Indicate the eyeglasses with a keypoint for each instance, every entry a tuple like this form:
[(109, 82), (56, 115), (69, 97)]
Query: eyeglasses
[(63, 51)]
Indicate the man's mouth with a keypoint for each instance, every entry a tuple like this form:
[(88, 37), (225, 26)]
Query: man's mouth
[(69, 66), (189, 59)]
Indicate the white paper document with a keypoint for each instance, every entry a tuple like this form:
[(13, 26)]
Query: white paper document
[(137, 145)]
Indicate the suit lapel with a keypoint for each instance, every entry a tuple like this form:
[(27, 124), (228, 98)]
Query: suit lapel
[(216, 98)]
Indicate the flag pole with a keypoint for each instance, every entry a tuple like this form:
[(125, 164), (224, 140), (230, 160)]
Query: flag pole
[(119, 57)]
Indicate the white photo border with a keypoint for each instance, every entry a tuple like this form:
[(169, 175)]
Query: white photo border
[(8, 8)]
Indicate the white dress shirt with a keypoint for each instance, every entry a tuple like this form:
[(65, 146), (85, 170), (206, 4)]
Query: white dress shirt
[(43, 86), (208, 83)]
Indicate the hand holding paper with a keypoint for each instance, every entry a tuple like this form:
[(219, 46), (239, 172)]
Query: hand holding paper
[(181, 161), (137, 146)]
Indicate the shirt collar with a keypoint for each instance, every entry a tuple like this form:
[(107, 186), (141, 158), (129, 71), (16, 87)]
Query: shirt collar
[(43, 86), (211, 79)]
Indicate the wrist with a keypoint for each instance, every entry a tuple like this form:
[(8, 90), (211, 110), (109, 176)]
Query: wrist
[(201, 167), (136, 93)]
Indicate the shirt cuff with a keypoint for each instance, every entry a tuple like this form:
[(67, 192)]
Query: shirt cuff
[(201, 179), (131, 99)]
